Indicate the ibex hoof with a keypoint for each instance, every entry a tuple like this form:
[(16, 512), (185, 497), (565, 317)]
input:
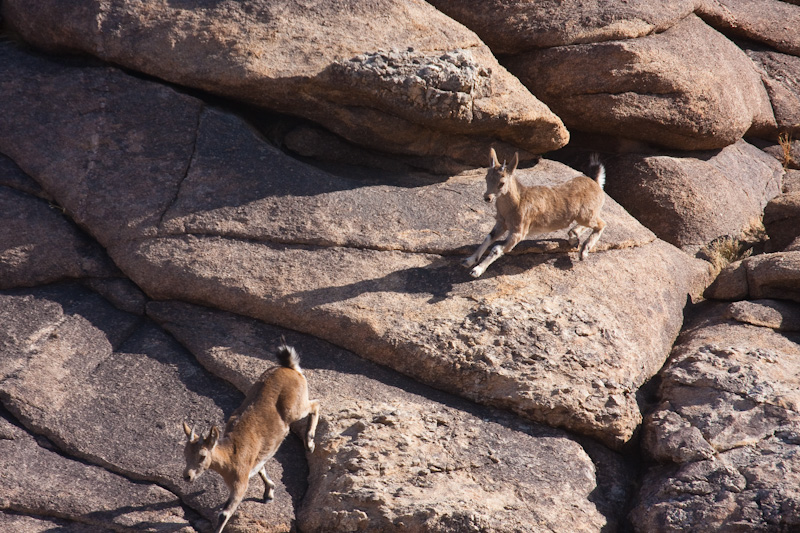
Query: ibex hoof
[(467, 262), (475, 272), (310, 446)]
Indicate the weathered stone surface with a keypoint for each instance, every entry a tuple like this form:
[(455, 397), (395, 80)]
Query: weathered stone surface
[(775, 275), (656, 89), (107, 387), (782, 220), (775, 314), (29, 524), (410, 80), (736, 386), (690, 199), (772, 22), (37, 244), (791, 181), (394, 455), (39, 481), (230, 222), (510, 27), (781, 76)]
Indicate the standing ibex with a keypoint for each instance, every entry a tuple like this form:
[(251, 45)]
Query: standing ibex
[(254, 432), (524, 211)]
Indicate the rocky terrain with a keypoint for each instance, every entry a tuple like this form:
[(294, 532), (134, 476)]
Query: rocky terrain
[(185, 183)]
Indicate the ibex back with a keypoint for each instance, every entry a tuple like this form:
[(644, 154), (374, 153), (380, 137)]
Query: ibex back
[(525, 211), (254, 432)]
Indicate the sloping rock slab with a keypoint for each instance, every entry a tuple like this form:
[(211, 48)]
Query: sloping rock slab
[(39, 245), (38, 481), (781, 76), (772, 22), (690, 199), (230, 222), (114, 390), (510, 27), (657, 89), (30, 524), (727, 432), (561, 344), (442, 93), (775, 275), (395, 455)]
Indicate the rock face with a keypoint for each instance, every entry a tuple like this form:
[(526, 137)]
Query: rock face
[(441, 94), (657, 89), (380, 281), (159, 241), (725, 434), (689, 201)]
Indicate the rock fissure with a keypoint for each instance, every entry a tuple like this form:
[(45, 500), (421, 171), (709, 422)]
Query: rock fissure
[(187, 169)]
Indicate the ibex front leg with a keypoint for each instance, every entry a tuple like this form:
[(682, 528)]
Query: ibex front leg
[(496, 233), (237, 494), (497, 252)]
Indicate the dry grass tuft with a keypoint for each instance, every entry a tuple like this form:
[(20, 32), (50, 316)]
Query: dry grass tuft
[(785, 142), (725, 250)]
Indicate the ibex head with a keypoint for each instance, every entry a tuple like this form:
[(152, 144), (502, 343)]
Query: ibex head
[(498, 177), (198, 452)]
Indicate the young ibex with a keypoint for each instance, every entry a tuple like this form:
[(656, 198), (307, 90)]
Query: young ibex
[(524, 211), (254, 432)]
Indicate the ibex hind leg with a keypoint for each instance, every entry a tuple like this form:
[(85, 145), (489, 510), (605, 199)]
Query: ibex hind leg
[(269, 485), (312, 425)]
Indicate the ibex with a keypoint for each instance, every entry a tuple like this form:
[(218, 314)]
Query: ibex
[(524, 211), (254, 432)]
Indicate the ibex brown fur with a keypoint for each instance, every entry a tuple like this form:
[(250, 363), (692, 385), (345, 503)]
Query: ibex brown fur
[(254, 432), (525, 211)]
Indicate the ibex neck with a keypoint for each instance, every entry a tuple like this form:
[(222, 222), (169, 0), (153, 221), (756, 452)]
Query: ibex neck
[(512, 194)]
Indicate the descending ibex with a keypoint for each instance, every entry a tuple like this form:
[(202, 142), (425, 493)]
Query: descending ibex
[(524, 211), (254, 432)]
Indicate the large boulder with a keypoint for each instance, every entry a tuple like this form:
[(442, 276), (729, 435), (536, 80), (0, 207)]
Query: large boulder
[(394, 455), (657, 89), (772, 22), (224, 219), (690, 199), (394, 75), (511, 27), (725, 432)]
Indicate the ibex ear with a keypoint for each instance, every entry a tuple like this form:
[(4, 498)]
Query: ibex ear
[(515, 164), (189, 432), (493, 154), (213, 437)]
